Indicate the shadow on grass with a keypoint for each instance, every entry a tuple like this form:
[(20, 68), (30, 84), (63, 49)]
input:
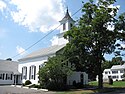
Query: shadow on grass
[(94, 89)]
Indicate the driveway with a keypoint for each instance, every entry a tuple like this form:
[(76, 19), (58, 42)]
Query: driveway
[(18, 90)]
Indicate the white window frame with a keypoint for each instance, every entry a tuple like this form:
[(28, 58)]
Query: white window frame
[(24, 72), (32, 72)]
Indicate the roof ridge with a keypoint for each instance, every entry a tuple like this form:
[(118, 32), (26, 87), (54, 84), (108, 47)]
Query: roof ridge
[(43, 51)]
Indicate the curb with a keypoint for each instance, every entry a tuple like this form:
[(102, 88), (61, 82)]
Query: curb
[(45, 90)]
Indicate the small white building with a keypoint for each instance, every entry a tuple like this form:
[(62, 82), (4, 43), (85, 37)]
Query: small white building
[(115, 72), (30, 65), (9, 73)]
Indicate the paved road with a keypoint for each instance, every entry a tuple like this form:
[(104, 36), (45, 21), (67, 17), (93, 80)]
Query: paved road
[(18, 90)]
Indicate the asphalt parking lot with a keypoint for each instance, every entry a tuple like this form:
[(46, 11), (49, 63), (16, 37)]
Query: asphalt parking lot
[(19, 90)]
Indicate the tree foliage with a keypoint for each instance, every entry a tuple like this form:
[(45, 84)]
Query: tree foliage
[(92, 38), (54, 73), (115, 61)]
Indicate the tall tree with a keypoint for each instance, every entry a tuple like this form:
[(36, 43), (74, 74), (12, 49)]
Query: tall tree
[(91, 38), (54, 73)]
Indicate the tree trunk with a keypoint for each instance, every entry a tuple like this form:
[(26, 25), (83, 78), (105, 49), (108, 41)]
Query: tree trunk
[(100, 76)]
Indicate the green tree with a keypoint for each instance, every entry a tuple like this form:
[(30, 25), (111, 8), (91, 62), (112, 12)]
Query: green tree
[(107, 64), (124, 75), (91, 39), (115, 61), (53, 74)]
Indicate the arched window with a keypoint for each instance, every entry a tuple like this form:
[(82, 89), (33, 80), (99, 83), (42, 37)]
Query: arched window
[(64, 26), (32, 72), (71, 25), (24, 72)]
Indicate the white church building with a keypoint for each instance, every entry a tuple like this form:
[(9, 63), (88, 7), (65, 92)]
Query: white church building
[(30, 64)]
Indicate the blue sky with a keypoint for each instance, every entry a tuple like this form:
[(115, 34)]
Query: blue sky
[(23, 22)]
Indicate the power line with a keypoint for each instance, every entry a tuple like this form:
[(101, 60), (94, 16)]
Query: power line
[(43, 36), (36, 42)]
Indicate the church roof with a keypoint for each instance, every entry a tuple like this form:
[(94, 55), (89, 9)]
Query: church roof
[(9, 66), (67, 16), (43, 52)]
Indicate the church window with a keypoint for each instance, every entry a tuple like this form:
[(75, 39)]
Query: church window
[(64, 26), (71, 25), (0, 76), (32, 72), (24, 72)]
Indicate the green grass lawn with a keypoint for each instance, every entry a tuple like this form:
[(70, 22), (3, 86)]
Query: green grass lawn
[(108, 88), (115, 84)]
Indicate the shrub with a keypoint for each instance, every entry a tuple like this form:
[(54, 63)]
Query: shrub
[(79, 85), (37, 86), (57, 86), (74, 83), (23, 84), (110, 81), (28, 82), (123, 79)]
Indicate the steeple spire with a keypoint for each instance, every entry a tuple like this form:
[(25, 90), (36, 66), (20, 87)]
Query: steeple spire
[(67, 16), (66, 24), (67, 9)]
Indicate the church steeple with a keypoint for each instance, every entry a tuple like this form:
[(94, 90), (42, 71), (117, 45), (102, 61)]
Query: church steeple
[(66, 17), (67, 22)]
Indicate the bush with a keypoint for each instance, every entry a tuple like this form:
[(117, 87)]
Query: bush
[(23, 84), (110, 81), (123, 79), (56, 86), (28, 82), (79, 85)]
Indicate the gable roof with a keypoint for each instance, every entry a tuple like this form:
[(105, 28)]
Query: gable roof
[(107, 70), (118, 66), (43, 52), (9, 66)]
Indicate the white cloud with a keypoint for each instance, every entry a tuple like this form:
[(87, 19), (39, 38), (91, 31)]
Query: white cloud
[(114, 6), (42, 15), (2, 5), (110, 26), (20, 50), (123, 45), (54, 40)]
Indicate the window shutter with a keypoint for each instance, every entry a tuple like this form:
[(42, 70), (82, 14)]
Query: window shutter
[(11, 76), (22, 73), (34, 72), (30, 73), (3, 76), (26, 73)]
